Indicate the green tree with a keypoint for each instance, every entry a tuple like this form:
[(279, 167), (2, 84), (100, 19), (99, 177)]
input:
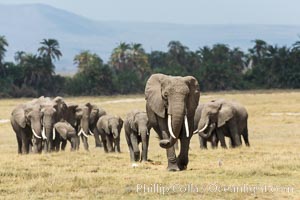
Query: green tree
[(92, 78), (3, 45), (50, 49)]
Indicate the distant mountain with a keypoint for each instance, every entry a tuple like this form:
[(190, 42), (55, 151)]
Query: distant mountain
[(24, 26)]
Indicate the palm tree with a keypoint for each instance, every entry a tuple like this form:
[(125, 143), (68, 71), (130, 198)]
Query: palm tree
[(119, 56), (19, 56), (35, 70), (50, 49), (85, 59), (178, 51), (3, 45), (139, 59)]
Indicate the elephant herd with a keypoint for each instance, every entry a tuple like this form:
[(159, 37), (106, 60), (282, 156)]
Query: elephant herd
[(172, 111)]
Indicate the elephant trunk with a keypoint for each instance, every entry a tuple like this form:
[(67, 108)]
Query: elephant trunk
[(36, 130), (175, 123), (115, 133), (47, 133), (84, 124)]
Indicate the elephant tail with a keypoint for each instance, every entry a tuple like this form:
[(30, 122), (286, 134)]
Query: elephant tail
[(245, 136)]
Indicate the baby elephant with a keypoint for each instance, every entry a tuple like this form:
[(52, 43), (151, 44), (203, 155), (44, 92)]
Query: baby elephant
[(109, 127), (137, 130), (65, 132), (221, 118)]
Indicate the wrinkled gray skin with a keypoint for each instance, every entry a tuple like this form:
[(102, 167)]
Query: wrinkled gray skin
[(174, 97), (109, 128), (226, 118), (96, 113), (52, 111), (83, 118), (137, 130), (78, 117), (25, 118), (213, 136), (65, 132), (71, 115)]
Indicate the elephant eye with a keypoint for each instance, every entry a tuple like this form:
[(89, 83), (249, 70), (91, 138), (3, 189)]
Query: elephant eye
[(165, 95)]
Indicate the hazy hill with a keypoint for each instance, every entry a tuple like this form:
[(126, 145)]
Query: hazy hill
[(25, 26)]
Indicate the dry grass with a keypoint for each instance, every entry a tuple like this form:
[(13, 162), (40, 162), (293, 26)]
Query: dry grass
[(272, 160)]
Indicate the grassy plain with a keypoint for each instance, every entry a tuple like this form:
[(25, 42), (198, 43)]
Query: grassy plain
[(272, 161)]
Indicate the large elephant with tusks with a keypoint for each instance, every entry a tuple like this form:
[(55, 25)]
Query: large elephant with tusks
[(171, 104)]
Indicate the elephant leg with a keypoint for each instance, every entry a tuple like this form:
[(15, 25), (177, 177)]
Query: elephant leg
[(183, 157), (234, 133), (25, 143), (109, 143), (63, 145), (161, 129), (85, 142), (172, 160), (19, 140), (203, 143), (135, 146), (221, 138), (117, 145), (104, 141), (98, 142), (127, 137), (214, 141)]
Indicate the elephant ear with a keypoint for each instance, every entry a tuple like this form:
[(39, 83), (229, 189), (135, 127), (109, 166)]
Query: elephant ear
[(103, 124), (90, 106), (62, 129), (153, 94), (19, 116), (101, 112), (131, 120), (194, 95), (225, 114), (78, 112)]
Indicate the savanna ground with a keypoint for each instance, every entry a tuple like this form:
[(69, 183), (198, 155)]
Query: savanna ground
[(272, 161)]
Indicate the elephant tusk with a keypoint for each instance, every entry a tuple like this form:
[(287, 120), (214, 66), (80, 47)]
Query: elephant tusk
[(91, 133), (203, 127), (80, 132), (186, 126), (196, 131), (53, 133), (148, 132), (85, 134), (170, 126), (43, 134), (34, 133)]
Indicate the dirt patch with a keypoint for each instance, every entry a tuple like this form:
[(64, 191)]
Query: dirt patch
[(285, 113), (4, 121)]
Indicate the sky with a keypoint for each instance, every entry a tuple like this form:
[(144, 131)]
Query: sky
[(283, 12)]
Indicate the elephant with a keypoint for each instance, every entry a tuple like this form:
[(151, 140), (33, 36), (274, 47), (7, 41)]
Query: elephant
[(52, 112), (213, 136), (109, 128), (227, 118), (66, 132), (26, 122), (137, 129), (171, 102), (78, 117), (96, 113)]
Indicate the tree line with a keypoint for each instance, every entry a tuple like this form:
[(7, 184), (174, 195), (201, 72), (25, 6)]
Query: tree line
[(216, 67)]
